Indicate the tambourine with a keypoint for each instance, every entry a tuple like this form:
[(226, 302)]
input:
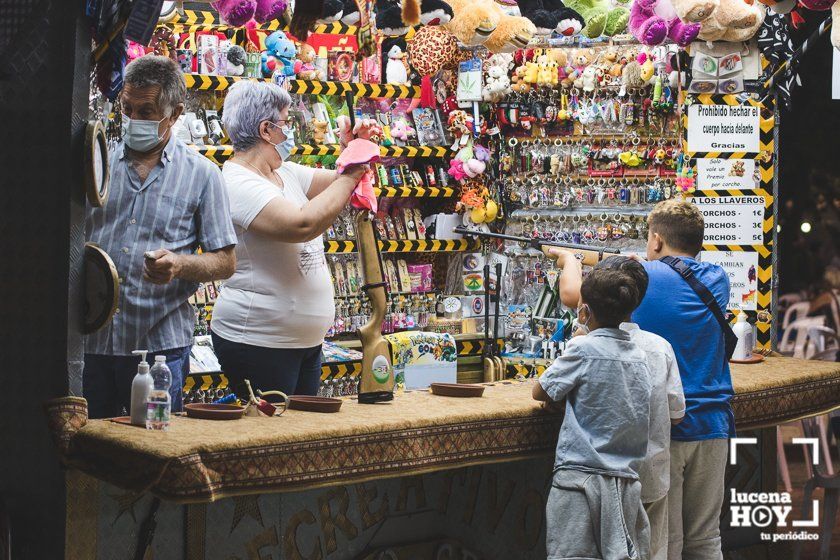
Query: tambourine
[(97, 171), (101, 289)]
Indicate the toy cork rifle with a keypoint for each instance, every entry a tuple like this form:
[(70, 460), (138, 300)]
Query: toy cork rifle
[(377, 379), (589, 255)]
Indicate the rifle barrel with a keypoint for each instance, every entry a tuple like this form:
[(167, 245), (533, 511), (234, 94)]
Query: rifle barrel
[(536, 241)]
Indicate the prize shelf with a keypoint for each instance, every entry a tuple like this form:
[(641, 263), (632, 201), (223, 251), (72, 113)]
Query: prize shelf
[(205, 82), (408, 246), (220, 154), (206, 20)]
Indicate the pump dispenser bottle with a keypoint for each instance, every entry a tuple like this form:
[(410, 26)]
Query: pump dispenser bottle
[(140, 389)]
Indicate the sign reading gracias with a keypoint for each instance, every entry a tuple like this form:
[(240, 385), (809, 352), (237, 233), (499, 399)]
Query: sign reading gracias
[(723, 128)]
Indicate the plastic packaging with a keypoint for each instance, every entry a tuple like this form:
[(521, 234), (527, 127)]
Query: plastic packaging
[(746, 339), (141, 386), (159, 404)]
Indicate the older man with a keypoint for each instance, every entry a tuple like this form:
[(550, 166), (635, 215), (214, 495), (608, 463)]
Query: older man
[(166, 201)]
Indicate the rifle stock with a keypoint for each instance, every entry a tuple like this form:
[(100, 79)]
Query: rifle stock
[(377, 378)]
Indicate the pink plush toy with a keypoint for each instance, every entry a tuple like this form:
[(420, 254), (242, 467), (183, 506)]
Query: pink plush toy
[(456, 170), (651, 21), (235, 12), (401, 130), (473, 168), (269, 10), (357, 152)]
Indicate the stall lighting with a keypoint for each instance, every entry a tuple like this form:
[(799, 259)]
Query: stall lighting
[(805, 227)]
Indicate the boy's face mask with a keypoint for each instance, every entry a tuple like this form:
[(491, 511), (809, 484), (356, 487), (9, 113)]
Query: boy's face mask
[(584, 324)]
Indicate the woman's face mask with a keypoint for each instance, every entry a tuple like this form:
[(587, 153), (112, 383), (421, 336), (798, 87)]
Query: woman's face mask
[(284, 148)]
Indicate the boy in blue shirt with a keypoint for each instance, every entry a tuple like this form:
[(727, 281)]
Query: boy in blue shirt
[(699, 443), (594, 508)]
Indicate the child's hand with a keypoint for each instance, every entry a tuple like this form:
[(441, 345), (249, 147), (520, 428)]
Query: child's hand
[(562, 256), (554, 407), (675, 421)]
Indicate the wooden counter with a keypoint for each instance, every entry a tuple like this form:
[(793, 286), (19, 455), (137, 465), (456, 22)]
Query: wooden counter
[(203, 461)]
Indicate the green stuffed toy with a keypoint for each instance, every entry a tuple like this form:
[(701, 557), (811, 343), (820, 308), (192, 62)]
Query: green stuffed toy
[(602, 18)]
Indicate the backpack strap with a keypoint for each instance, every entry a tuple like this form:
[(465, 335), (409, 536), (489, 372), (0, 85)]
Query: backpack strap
[(730, 339)]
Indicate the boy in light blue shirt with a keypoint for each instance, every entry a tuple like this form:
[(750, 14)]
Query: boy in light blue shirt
[(594, 508)]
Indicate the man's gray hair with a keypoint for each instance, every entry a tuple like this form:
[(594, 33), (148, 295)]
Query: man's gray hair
[(151, 70), (247, 104)]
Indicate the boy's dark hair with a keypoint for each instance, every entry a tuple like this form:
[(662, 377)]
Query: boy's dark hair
[(611, 295), (679, 223), (632, 267)]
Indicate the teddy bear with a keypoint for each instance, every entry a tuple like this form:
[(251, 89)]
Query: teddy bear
[(590, 78), (483, 22), (559, 60), (319, 132), (651, 21), (581, 58), (517, 81), (733, 21), (551, 16), (601, 17), (305, 65), (496, 82)]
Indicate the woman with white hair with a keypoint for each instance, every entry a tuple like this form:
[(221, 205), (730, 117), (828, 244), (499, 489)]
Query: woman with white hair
[(270, 319)]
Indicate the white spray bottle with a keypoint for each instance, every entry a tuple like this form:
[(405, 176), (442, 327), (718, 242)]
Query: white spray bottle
[(140, 389), (744, 331)]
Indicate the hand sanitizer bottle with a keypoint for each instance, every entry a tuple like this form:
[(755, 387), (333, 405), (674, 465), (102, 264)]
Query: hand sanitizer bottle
[(140, 389), (744, 331), (159, 404)]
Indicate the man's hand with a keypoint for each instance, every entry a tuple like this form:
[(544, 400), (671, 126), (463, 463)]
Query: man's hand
[(675, 421), (161, 266)]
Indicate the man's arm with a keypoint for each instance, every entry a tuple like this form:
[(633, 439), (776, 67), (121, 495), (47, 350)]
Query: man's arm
[(571, 278), (163, 266), (676, 397)]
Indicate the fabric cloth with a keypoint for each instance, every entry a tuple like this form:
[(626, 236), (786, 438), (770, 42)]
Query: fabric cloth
[(606, 383), (657, 513), (666, 403), (672, 310), (180, 206), (595, 516), (695, 499), (106, 383), (281, 295), (294, 371), (356, 152), (776, 46)]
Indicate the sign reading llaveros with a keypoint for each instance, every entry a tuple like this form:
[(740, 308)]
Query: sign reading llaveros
[(723, 128)]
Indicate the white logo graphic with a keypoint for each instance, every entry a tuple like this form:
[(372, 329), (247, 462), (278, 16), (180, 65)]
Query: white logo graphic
[(763, 509)]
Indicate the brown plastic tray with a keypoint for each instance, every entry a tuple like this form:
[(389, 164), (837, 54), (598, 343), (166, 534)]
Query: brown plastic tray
[(457, 390), (314, 404), (211, 411)]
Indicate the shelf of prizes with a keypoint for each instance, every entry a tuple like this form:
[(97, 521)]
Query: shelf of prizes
[(570, 137)]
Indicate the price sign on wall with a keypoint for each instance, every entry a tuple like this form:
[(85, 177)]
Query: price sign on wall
[(732, 220), (724, 128), (742, 269)]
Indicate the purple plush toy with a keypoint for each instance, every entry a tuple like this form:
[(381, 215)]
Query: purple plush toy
[(269, 10), (651, 21), (235, 12)]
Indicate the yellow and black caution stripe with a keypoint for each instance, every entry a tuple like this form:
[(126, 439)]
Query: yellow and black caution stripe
[(205, 381), (765, 162), (341, 369), (415, 192), (475, 347), (408, 246), (205, 20), (220, 154), (514, 369), (204, 82)]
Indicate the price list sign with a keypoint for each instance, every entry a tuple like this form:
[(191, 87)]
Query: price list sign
[(732, 220)]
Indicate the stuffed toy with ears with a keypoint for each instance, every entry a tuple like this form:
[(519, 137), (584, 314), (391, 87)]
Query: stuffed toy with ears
[(269, 10), (235, 12), (551, 16), (652, 21), (733, 21), (236, 60), (601, 17), (333, 11), (395, 70), (483, 22), (278, 55), (396, 17)]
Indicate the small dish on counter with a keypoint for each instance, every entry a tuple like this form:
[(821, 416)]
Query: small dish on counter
[(214, 411), (464, 390), (314, 404)]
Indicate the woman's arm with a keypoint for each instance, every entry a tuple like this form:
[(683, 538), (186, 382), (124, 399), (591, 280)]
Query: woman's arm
[(322, 179), (283, 221)]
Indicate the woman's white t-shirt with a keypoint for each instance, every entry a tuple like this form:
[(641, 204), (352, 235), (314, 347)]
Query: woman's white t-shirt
[(281, 295)]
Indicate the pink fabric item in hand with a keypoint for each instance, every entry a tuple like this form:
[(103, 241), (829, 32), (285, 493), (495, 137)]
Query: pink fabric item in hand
[(360, 152)]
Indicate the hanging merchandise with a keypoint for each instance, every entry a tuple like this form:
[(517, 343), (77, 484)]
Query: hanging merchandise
[(552, 16), (484, 22)]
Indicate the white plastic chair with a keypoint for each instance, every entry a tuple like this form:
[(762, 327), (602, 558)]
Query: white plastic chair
[(786, 300), (796, 334), (795, 312), (819, 341)]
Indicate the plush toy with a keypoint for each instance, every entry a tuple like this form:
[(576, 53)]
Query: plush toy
[(551, 16), (589, 79), (560, 61), (782, 6), (401, 130), (496, 82), (679, 73), (305, 68), (517, 81), (546, 71), (435, 12), (350, 13), (651, 21), (432, 49), (395, 18), (269, 10), (647, 68), (235, 60), (333, 11), (581, 58), (133, 51), (278, 55), (601, 17), (631, 75), (395, 70), (319, 131), (477, 22), (733, 20), (235, 12), (695, 11)]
